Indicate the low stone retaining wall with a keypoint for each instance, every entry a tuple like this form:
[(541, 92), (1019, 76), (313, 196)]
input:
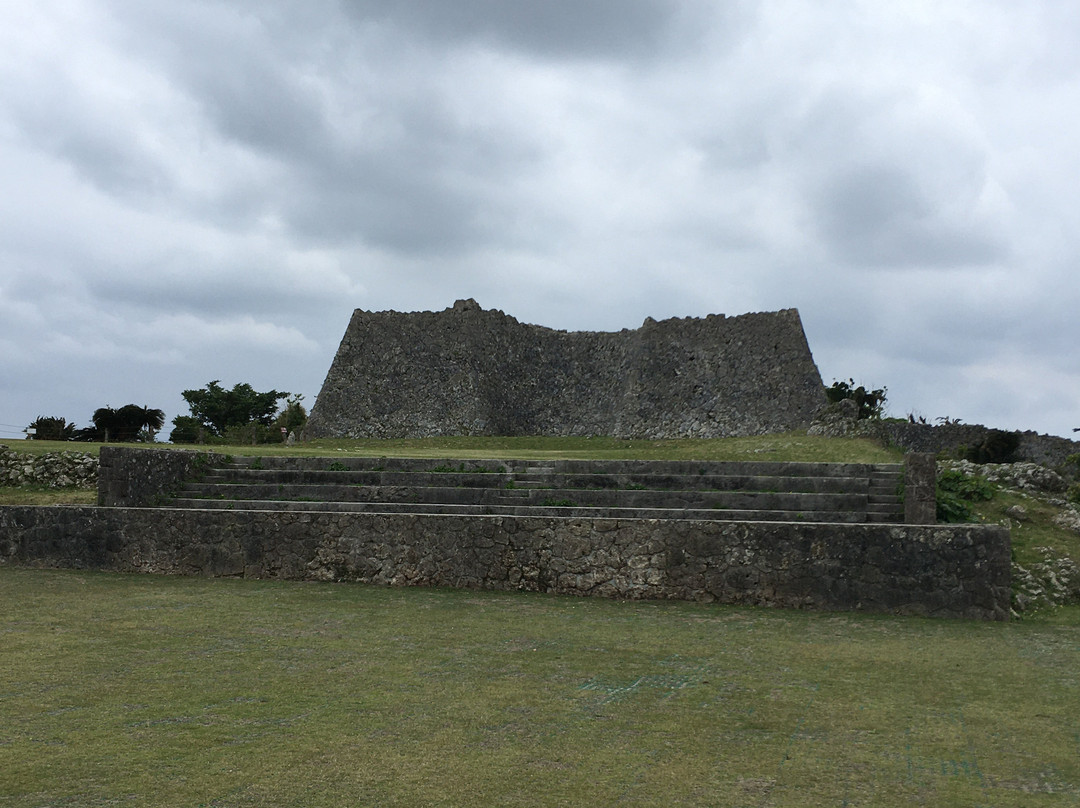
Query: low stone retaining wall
[(52, 469), (945, 571), (1045, 450), (145, 477)]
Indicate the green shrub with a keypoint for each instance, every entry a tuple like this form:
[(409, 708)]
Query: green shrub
[(1072, 466), (291, 419), (950, 508), (955, 490), (997, 447), (186, 429), (871, 403), (250, 433)]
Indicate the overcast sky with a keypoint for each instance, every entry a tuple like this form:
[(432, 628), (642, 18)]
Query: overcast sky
[(205, 190)]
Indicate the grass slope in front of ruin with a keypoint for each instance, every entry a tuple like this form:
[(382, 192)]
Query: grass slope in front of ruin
[(791, 446), (165, 691), (786, 447)]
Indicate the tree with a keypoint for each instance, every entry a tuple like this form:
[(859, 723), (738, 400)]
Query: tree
[(186, 429), (152, 419), (217, 409), (871, 403), (997, 446), (125, 424), (106, 422), (51, 428), (292, 418)]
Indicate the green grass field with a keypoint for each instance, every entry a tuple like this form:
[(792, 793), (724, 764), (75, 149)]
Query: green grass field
[(156, 691)]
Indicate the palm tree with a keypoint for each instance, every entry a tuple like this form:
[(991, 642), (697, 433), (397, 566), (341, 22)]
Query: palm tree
[(151, 420), (105, 421), (125, 424)]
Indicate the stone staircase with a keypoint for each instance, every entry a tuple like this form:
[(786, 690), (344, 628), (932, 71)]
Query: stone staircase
[(718, 491)]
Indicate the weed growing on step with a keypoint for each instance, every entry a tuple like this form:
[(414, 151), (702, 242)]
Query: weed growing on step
[(957, 491), (558, 503)]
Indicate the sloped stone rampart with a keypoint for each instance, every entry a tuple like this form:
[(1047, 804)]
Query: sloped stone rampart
[(944, 571), (469, 371)]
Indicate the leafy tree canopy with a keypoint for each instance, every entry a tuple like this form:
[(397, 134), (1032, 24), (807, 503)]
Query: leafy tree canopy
[(129, 423), (51, 428), (186, 429), (293, 417), (871, 403), (217, 409)]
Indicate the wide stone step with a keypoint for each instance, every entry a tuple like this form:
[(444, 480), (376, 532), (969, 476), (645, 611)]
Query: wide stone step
[(662, 467), (337, 477), (750, 490), (635, 481), (706, 514), (754, 500), (885, 518)]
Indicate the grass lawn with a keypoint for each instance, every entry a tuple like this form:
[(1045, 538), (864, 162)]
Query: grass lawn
[(41, 495), (159, 691), (787, 446)]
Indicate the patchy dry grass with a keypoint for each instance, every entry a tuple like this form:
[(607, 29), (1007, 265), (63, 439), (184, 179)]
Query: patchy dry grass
[(789, 446), (40, 495), (1037, 530), (39, 447), (157, 691)]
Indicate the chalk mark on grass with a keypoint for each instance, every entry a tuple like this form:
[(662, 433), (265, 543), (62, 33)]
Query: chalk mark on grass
[(615, 690), (791, 741)]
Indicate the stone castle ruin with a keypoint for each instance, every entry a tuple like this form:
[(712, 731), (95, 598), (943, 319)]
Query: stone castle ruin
[(835, 536), (470, 371)]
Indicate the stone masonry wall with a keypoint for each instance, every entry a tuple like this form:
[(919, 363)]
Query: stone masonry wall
[(51, 469), (467, 371), (1046, 450), (951, 439), (130, 477), (946, 571)]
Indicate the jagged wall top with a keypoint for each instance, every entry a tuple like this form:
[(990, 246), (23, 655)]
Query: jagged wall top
[(471, 371)]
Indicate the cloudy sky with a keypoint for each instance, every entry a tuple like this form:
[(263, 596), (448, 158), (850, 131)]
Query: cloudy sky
[(206, 190)]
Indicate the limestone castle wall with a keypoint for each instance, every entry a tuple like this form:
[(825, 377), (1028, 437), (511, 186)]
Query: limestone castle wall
[(470, 371)]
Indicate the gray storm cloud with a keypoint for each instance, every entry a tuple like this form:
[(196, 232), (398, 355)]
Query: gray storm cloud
[(201, 191)]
